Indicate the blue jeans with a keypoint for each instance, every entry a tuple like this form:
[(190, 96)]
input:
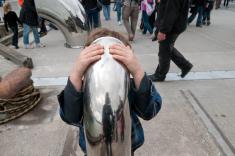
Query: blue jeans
[(106, 11), (200, 15), (26, 34), (198, 11), (147, 26), (94, 19), (119, 10)]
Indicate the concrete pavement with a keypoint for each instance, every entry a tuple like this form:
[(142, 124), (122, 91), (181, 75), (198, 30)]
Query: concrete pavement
[(197, 117)]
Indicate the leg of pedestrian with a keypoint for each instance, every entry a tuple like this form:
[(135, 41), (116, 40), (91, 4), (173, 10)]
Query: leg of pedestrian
[(134, 20), (125, 16), (26, 32)]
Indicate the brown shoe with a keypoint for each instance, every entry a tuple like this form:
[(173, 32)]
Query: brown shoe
[(131, 37)]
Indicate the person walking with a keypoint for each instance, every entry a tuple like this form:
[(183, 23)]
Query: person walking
[(172, 21), (118, 9), (130, 14), (198, 10), (155, 22), (43, 28), (207, 12), (106, 9), (147, 8), (217, 4), (226, 2), (11, 19), (92, 9), (29, 18)]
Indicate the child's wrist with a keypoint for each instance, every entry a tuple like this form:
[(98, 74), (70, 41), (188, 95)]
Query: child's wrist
[(138, 76), (138, 73), (76, 80)]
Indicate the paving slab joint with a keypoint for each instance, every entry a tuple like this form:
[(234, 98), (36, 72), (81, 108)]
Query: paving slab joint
[(217, 134)]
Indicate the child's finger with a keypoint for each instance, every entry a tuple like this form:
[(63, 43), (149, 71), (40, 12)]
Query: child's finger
[(118, 46), (93, 48), (117, 52), (119, 58), (93, 59), (94, 53)]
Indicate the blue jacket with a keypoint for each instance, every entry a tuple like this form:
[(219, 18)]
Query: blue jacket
[(144, 102)]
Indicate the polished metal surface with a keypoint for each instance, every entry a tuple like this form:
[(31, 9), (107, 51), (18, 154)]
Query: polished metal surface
[(107, 121), (69, 16)]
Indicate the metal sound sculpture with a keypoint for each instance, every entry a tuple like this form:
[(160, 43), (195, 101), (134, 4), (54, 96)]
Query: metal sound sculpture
[(69, 16), (107, 121)]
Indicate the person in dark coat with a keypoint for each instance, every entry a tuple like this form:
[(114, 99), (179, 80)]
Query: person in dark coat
[(11, 19), (172, 19), (156, 22), (29, 18), (92, 9)]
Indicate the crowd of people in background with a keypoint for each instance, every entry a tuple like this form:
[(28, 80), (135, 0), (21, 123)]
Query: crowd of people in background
[(127, 12), (28, 19), (203, 8)]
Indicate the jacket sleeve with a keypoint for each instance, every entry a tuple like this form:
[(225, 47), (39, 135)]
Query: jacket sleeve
[(71, 105), (5, 23), (171, 13), (146, 101), (18, 20)]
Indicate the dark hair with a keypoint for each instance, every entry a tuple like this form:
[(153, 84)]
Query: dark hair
[(103, 32)]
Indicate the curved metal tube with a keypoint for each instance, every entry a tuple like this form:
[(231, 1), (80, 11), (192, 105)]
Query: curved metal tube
[(107, 121), (69, 16)]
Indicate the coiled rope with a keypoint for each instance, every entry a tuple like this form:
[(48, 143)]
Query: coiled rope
[(24, 101)]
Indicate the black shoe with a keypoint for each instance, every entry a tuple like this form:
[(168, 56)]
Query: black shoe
[(155, 78), (208, 23), (185, 71), (199, 25), (43, 34), (204, 22), (16, 47)]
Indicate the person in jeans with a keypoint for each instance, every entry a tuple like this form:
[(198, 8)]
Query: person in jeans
[(144, 100), (11, 19), (172, 21), (118, 9), (106, 9), (92, 10), (145, 16), (130, 13), (207, 12), (199, 10), (29, 18)]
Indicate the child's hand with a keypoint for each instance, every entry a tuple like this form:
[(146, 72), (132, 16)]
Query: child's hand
[(87, 56), (125, 55)]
